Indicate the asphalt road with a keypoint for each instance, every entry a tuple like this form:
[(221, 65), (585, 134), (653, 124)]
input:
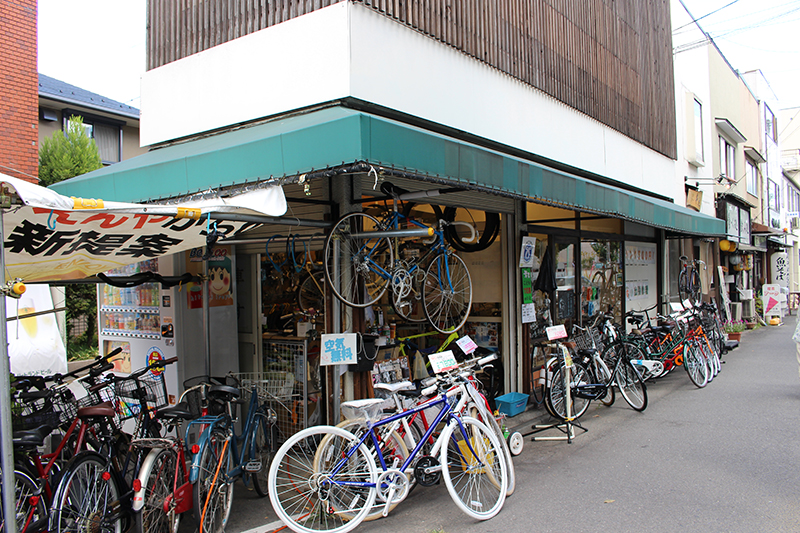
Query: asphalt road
[(722, 458)]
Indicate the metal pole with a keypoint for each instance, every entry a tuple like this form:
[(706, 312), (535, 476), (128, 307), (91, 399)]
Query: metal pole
[(206, 318), (6, 445)]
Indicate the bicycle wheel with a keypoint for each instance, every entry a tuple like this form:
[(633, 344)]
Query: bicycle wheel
[(261, 451), (684, 291), (84, 499), (212, 493), (604, 376), (473, 467), (30, 511), (631, 385), (309, 499), (311, 292), (159, 477), (393, 449), (695, 286), (538, 375), (447, 293), (695, 364), (485, 416), (358, 268), (557, 394)]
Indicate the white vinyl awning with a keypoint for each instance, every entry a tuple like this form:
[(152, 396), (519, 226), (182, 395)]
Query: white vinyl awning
[(50, 237)]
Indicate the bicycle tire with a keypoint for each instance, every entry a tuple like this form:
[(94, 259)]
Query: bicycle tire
[(631, 385), (407, 285), (491, 423), (358, 269), (311, 292), (447, 293), (212, 493), (261, 451), (305, 507), (491, 230), (83, 494), (604, 376), (30, 508), (159, 477), (695, 365), (696, 286), (683, 285), (392, 446), (466, 471), (557, 395)]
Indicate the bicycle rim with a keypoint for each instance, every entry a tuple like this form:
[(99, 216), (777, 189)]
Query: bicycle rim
[(213, 492), (447, 293), (84, 500), (631, 386), (309, 499), (473, 468), (158, 482), (358, 269)]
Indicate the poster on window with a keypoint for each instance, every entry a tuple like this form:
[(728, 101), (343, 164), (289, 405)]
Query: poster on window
[(219, 276), (641, 274), (35, 347)]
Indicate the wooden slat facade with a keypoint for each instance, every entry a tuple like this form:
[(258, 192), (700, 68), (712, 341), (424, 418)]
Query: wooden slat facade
[(610, 59)]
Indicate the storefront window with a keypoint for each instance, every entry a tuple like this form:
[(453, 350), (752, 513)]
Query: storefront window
[(601, 277), (565, 283)]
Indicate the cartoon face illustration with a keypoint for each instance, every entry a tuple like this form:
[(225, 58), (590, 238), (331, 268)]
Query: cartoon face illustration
[(220, 281)]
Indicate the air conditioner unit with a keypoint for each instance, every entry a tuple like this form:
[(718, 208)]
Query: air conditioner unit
[(748, 308)]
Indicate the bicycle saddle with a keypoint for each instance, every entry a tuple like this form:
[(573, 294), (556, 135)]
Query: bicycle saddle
[(389, 189), (179, 411), (224, 392), (394, 387), (31, 438), (104, 410)]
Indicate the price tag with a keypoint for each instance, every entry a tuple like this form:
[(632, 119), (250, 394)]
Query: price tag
[(443, 361), (466, 344), (556, 332)]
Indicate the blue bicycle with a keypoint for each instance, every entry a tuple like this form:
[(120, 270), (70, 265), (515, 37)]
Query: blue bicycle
[(221, 455), (363, 259)]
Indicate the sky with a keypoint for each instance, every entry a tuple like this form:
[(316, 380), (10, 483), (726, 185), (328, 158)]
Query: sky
[(99, 45)]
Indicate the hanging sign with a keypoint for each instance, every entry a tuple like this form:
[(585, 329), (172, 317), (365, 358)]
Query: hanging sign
[(780, 269), (526, 252), (338, 349)]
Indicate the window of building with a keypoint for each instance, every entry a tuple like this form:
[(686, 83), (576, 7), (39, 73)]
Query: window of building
[(727, 159), (698, 132), (752, 178), (774, 191), (770, 124), (107, 135)]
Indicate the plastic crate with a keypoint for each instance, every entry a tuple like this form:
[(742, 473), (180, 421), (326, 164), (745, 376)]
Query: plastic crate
[(512, 404)]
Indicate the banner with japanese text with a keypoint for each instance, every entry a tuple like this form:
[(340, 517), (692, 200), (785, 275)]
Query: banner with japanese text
[(49, 237)]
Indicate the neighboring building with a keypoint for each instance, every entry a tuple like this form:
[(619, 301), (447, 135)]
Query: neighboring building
[(114, 126), (19, 146), (561, 119), (789, 142)]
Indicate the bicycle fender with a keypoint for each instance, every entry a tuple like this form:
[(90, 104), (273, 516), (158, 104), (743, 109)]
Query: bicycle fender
[(194, 471), (138, 496)]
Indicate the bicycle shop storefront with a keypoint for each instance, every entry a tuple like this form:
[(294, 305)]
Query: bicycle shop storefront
[(609, 255)]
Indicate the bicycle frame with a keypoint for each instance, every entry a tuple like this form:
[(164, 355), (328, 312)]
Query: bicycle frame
[(448, 411), (239, 444)]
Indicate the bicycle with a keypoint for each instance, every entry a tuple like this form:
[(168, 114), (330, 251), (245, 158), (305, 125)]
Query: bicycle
[(690, 286), (94, 493), (361, 265), (338, 490), (223, 455)]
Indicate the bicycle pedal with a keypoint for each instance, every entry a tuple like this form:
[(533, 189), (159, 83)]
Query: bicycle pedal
[(252, 467)]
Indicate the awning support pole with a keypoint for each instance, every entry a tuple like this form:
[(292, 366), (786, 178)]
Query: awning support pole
[(6, 444)]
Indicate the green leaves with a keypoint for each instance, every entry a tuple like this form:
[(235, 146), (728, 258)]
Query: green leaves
[(68, 154)]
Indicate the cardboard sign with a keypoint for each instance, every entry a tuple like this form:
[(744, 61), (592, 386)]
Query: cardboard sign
[(556, 332), (443, 361), (338, 349), (466, 344)]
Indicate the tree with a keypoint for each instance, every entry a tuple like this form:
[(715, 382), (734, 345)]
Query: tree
[(66, 155), (61, 157)]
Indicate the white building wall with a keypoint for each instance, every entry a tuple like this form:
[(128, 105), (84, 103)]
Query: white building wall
[(349, 50)]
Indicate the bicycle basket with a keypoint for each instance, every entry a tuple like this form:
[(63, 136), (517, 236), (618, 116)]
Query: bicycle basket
[(270, 386), (132, 392), (587, 339)]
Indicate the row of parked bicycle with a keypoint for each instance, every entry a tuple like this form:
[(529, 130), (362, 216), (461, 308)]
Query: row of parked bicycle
[(76, 470), (596, 359)]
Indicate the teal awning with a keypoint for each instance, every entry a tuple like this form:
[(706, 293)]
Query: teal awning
[(334, 136)]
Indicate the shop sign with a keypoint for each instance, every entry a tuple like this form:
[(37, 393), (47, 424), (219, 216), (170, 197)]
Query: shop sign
[(526, 255), (771, 299), (338, 349), (780, 269)]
